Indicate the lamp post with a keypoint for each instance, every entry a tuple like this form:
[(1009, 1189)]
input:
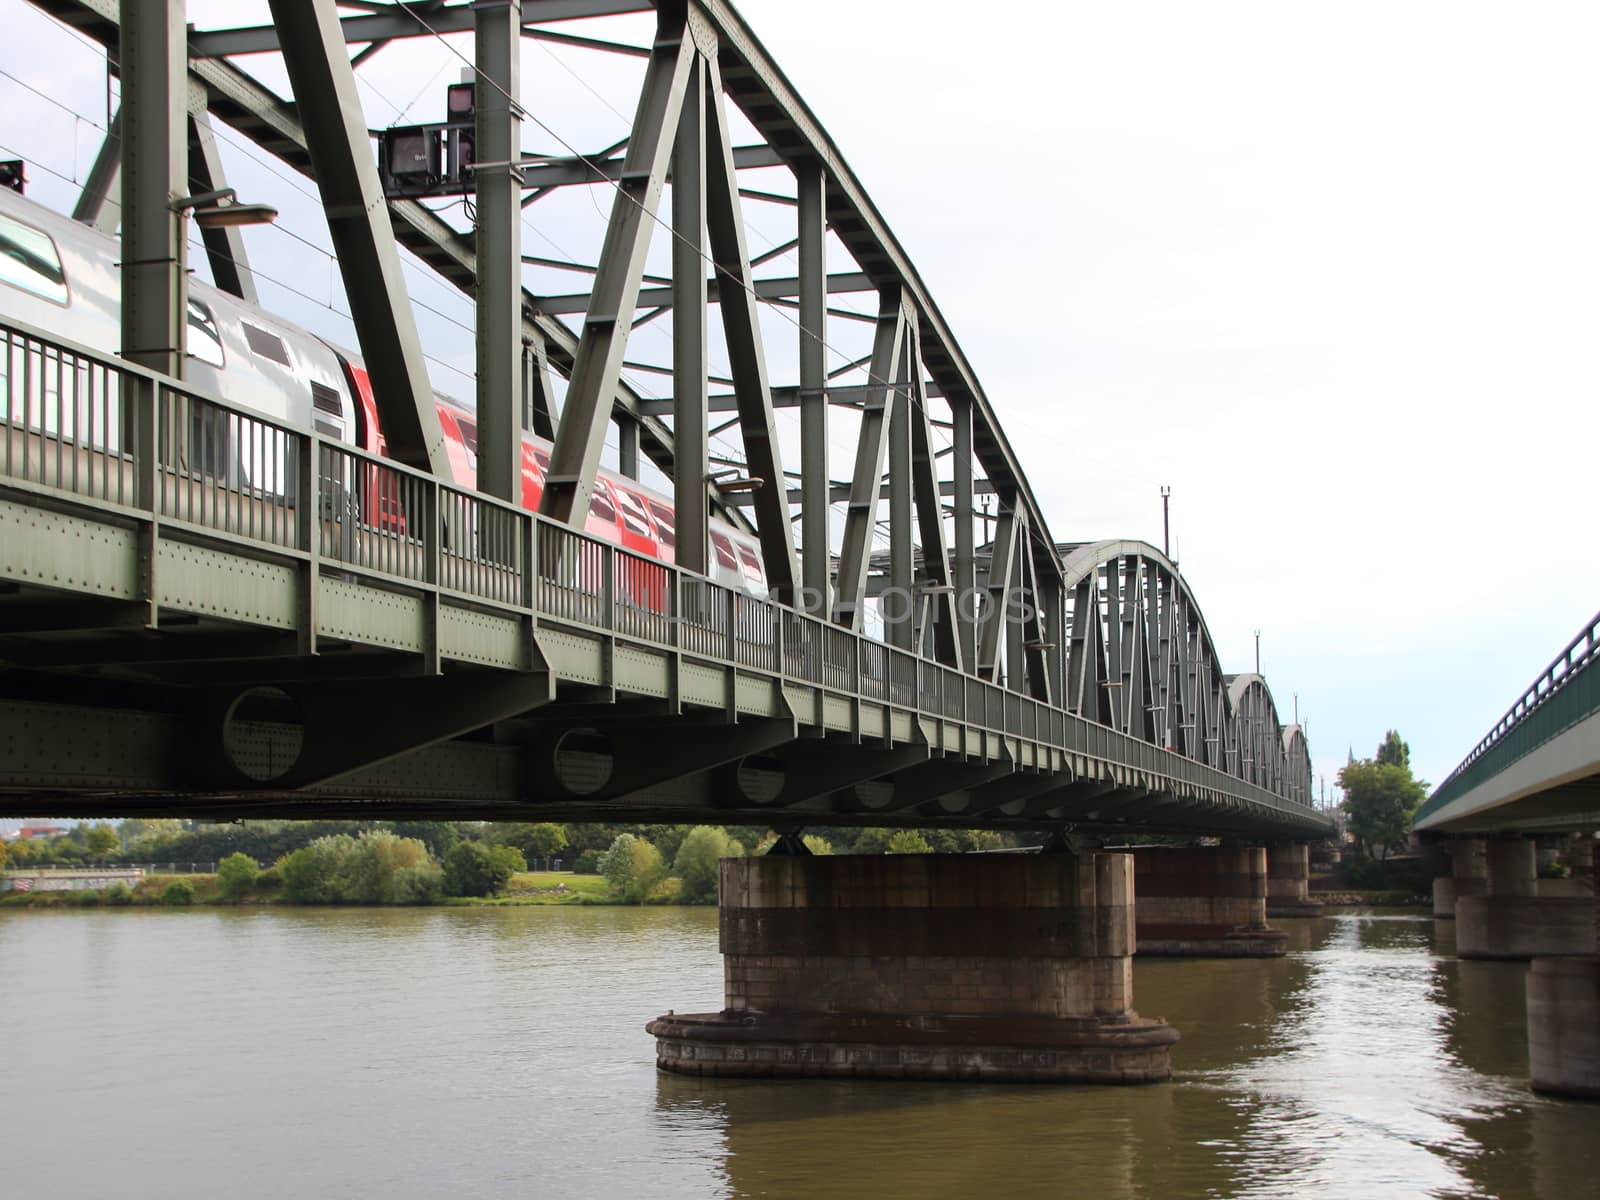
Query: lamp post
[(1166, 495)]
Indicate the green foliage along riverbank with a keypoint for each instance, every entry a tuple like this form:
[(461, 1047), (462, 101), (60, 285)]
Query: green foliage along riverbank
[(428, 862)]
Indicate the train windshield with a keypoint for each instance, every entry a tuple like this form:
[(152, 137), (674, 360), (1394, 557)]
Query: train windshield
[(28, 260)]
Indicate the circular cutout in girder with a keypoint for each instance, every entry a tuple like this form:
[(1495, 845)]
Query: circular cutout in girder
[(585, 760), (263, 733), (760, 778)]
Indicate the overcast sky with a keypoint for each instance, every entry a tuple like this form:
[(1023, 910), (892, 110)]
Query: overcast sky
[(1330, 272)]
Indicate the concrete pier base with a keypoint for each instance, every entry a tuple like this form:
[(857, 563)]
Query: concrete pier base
[(1468, 875), (1511, 919), (1204, 902), (1564, 1026), (1289, 882), (947, 966), (1524, 926)]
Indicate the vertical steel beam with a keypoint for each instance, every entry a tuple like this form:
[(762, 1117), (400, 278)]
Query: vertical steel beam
[(154, 153), (628, 447), (966, 580), (497, 138), (100, 202), (358, 223), (1115, 651), (899, 603), (947, 646), (997, 589), (690, 393), (746, 359), (597, 365), (815, 541), (230, 266), (861, 517)]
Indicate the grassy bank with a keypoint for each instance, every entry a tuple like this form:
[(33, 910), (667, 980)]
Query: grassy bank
[(526, 888)]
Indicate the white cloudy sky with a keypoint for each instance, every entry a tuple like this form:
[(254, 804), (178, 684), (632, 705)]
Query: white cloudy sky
[(1331, 272)]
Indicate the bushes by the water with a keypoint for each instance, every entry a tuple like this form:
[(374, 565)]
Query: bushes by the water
[(178, 894), (376, 868), (236, 874), (588, 863)]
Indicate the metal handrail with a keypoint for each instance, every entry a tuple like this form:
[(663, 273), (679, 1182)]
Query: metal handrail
[(327, 501), (1561, 671)]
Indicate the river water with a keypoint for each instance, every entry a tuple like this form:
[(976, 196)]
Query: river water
[(492, 1052)]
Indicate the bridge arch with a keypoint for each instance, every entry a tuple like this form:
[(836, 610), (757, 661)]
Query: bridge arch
[(1141, 659)]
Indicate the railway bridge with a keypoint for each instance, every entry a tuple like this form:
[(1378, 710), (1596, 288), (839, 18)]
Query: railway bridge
[(209, 609)]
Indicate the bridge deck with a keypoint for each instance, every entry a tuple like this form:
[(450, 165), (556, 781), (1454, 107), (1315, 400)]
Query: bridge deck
[(1539, 767), (179, 622)]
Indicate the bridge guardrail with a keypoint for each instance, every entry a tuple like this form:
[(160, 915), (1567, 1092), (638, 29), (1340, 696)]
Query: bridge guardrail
[(1514, 734), (114, 434)]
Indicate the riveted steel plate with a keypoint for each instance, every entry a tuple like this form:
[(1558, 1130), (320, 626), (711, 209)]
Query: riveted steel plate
[(73, 553), (197, 579)]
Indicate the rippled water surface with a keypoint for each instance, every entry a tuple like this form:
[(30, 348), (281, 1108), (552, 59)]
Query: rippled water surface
[(500, 1052)]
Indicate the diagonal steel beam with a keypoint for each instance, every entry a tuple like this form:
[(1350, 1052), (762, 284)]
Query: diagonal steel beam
[(598, 364), (100, 202), (861, 517), (997, 589), (741, 322), (230, 266), (665, 297), (363, 238)]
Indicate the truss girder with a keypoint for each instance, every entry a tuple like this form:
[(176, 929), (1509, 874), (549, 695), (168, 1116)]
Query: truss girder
[(1140, 660), (597, 367)]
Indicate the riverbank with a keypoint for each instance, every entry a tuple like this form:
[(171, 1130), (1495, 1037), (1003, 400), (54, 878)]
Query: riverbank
[(529, 888)]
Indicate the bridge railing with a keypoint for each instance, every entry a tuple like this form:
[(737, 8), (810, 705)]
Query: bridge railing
[(1564, 677), (82, 424)]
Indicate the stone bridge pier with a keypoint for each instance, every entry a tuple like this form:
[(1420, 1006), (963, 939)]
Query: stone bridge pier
[(1511, 919), (925, 966), (1204, 902)]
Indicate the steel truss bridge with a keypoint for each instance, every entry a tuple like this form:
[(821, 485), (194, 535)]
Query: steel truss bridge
[(204, 611)]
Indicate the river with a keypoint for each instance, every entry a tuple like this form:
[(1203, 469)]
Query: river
[(491, 1052)]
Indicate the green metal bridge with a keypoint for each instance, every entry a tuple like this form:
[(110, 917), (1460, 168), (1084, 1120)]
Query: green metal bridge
[(1539, 767), (207, 611)]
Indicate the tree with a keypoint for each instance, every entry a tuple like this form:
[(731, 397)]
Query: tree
[(543, 840), (474, 869), (437, 836), (909, 841), (1394, 752), (817, 845), (5, 853), (102, 842), (632, 868), (236, 874), (1380, 798), (872, 841), (698, 862)]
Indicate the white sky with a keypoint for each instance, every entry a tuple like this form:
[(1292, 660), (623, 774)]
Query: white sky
[(1332, 273)]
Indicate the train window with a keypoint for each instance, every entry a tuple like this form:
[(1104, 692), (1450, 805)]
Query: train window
[(665, 524), (634, 517), (267, 345), (205, 342), (325, 399), (752, 564), (600, 506), (28, 260), (542, 457), (724, 549)]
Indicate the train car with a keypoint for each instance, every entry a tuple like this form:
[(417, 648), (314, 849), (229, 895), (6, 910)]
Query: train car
[(62, 277)]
